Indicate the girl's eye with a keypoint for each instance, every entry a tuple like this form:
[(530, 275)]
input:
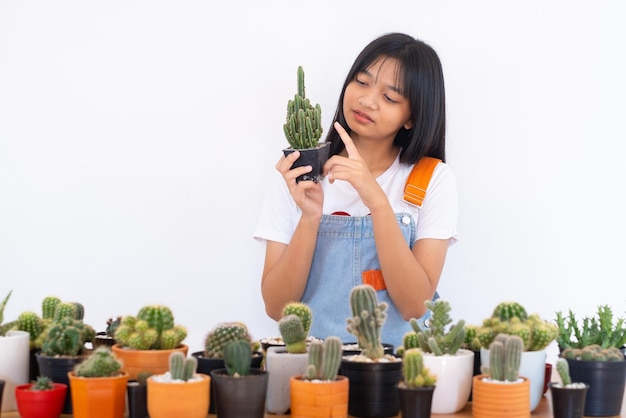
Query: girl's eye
[(360, 82), (389, 99)]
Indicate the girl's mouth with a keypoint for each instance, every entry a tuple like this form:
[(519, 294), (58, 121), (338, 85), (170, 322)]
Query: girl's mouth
[(361, 117)]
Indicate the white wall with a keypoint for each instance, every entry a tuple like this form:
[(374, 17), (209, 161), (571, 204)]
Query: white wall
[(136, 139)]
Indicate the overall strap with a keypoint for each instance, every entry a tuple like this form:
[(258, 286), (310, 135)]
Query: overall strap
[(417, 183)]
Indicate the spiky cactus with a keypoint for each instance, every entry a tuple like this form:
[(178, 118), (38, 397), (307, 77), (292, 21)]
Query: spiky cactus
[(42, 383), (48, 306), (324, 359), (67, 337), (181, 367), (505, 356), (221, 335), (152, 329), (101, 363), (303, 127), (436, 339), (415, 375), (63, 310), (237, 357), (368, 317), (293, 334), (303, 311), (602, 329), (593, 352), (30, 322), (562, 367)]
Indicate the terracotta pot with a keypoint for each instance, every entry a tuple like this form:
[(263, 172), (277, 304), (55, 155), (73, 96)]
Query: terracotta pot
[(568, 402), (319, 399), (151, 361), (415, 402), (606, 380), (180, 400), (98, 397), (498, 400), (454, 380), (237, 397), (40, 403), (206, 365), (57, 369)]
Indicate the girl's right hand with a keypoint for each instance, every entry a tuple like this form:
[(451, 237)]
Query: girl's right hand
[(307, 195)]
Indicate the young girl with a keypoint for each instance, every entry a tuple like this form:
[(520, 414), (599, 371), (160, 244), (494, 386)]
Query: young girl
[(355, 226)]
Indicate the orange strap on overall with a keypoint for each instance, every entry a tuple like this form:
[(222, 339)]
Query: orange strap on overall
[(414, 193)]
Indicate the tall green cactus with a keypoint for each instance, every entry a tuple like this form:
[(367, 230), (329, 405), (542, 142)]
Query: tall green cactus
[(101, 363), (562, 367), (436, 339), (221, 335), (182, 368), (48, 306), (368, 317), (414, 373), (65, 309), (293, 334), (505, 356), (324, 359), (237, 358), (303, 126)]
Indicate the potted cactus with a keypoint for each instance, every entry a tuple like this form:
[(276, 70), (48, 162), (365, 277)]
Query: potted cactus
[(179, 391), (239, 390), (417, 385), (42, 398), (373, 374), (98, 386), (441, 344), (212, 357), (144, 342), (303, 130), (512, 318), (311, 392), (500, 391), (107, 337), (289, 359), (568, 398)]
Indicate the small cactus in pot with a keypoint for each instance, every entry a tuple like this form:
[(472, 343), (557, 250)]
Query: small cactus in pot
[(437, 339), (221, 335), (368, 318), (504, 358), (237, 358), (294, 326), (414, 374), (101, 363), (324, 359), (152, 329)]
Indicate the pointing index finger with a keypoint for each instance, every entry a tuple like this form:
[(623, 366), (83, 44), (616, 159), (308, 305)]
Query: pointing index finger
[(347, 141)]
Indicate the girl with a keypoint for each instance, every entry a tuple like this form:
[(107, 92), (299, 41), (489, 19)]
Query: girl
[(356, 226)]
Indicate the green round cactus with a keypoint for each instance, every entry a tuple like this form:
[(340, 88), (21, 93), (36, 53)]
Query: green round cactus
[(221, 335), (48, 306), (152, 329), (101, 363), (303, 311), (292, 333), (237, 357), (508, 310), (30, 322)]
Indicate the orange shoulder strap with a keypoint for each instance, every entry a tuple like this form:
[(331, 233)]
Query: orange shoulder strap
[(417, 183)]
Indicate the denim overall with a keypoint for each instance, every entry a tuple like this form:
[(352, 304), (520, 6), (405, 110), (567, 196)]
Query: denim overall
[(342, 238)]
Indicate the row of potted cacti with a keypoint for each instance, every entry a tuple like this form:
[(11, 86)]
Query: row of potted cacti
[(417, 362)]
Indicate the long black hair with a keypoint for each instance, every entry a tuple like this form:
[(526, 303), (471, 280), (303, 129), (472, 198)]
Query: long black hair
[(420, 77)]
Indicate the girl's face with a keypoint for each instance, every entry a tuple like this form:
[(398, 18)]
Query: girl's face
[(372, 104)]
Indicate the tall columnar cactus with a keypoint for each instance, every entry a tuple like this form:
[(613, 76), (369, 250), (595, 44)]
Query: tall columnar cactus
[(48, 306), (562, 367), (221, 335), (152, 328), (324, 359), (303, 311), (181, 367), (292, 333), (101, 363), (237, 357), (415, 375), (436, 339), (505, 356), (303, 127), (368, 317)]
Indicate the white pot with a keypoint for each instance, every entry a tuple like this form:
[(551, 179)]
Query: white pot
[(281, 366), (14, 358), (454, 380), (533, 366)]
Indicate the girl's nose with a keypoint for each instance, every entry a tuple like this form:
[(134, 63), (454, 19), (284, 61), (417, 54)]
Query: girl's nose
[(367, 101)]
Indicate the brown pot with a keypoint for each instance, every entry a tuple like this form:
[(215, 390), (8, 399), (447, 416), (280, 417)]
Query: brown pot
[(498, 400), (98, 397), (319, 399), (181, 400), (150, 361)]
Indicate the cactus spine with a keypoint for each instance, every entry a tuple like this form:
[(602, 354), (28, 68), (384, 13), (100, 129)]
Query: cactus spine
[(414, 373), (100, 363), (182, 368), (324, 359), (368, 317), (237, 358), (303, 126), (436, 339), (505, 356)]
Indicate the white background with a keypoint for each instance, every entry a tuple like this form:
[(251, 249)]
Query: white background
[(137, 138)]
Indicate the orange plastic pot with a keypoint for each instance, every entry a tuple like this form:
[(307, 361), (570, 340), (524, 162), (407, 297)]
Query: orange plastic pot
[(498, 400), (319, 399), (181, 400), (146, 361), (98, 397)]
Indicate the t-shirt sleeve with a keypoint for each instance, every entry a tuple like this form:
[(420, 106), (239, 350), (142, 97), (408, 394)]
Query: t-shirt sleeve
[(278, 214), (438, 217)]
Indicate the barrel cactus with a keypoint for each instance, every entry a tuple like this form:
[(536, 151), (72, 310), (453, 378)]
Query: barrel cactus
[(221, 335), (67, 337), (101, 363), (152, 329)]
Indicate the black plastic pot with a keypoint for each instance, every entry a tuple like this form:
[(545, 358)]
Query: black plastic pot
[(2, 382), (315, 157), (137, 399), (568, 402), (415, 402), (606, 380), (237, 397), (56, 368), (373, 388)]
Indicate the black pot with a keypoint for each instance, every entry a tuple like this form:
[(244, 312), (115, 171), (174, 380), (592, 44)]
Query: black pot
[(415, 402), (56, 368), (349, 351), (137, 399), (606, 380), (568, 402), (315, 157), (2, 382), (102, 339), (373, 389), (206, 365), (237, 397)]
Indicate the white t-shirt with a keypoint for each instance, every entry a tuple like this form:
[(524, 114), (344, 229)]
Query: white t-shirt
[(437, 218)]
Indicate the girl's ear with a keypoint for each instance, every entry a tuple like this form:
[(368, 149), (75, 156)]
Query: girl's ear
[(409, 124)]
